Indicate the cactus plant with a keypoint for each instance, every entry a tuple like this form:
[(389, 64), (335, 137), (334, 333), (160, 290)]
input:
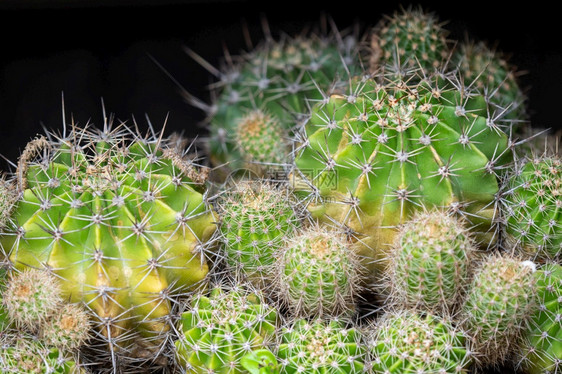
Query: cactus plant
[(68, 328), (370, 158), (541, 352), (122, 221), (408, 41), (430, 263), (532, 207), (500, 301), (256, 218), (319, 346), (220, 329), (7, 200), (405, 342), (278, 78), (317, 275)]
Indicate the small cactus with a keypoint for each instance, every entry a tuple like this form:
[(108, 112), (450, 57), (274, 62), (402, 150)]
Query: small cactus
[(409, 41), (8, 198), (541, 352), (318, 274), (31, 298), (429, 266), (68, 329), (320, 347), (256, 219), (532, 206), (405, 342), (218, 330), (499, 303)]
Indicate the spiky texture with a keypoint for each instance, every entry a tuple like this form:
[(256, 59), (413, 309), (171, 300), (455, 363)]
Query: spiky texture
[(122, 221), (430, 263), (490, 73), (405, 342), (68, 329), (370, 158), (278, 78), (409, 41), (262, 361), (31, 298), (542, 348), (219, 329), (256, 218), (23, 354), (7, 199), (317, 274), (532, 206), (319, 346), (262, 141), (498, 306)]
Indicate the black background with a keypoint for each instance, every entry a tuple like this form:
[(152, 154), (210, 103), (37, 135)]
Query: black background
[(100, 49)]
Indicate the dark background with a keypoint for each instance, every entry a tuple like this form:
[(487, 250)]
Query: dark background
[(100, 49)]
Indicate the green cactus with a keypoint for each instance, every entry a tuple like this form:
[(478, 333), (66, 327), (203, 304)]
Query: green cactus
[(409, 41), (489, 72), (256, 218), (430, 263), (220, 329), (278, 78), (122, 221), (532, 206), (317, 274), (541, 352), (320, 347), (498, 306), (407, 343), (31, 298), (372, 157), (24, 354), (68, 328), (262, 361)]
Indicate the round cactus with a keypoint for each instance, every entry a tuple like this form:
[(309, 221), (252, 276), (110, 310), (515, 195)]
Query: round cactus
[(430, 262), (7, 200), (532, 207), (489, 72), (256, 218), (407, 343), (317, 274), (320, 347), (220, 329), (261, 141), (68, 329), (409, 41), (24, 354), (31, 298), (278, 78), (542, 348), (372, 157), (122, 221), (498, 306)]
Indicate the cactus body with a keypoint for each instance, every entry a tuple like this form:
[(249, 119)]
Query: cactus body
[(221, 329), (533, 207), (318, 275), (256, 217), (498, 306), (407, 343), (542, 350), (121, 220), (372, 157), (430, 263), (320, 347), (278, 78)]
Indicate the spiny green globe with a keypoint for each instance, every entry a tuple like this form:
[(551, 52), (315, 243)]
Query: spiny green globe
[(370, 158), (407, 343), (533, 205), (320, 347), (541, 352), (121, 220), (220, 329), (278, 78)]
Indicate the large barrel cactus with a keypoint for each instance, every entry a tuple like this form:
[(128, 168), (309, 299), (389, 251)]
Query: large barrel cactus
[(122, 221), (371, 157)]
